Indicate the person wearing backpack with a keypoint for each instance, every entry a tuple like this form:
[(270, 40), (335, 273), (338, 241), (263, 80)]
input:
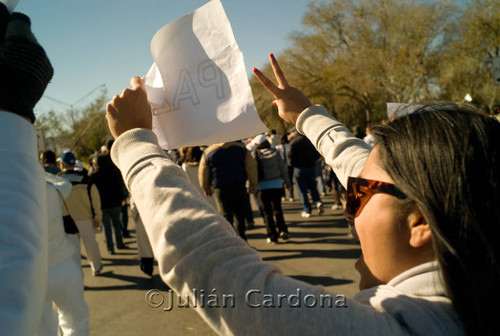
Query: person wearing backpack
[(272, 171), (84, 206)]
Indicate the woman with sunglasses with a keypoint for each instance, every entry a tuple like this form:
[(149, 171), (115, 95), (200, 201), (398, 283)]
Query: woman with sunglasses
[(426, 207), (424, 203)]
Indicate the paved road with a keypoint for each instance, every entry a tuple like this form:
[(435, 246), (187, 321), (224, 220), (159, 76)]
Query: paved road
[(318, 252)]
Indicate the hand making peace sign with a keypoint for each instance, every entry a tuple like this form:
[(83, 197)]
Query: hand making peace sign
[(290, 101)]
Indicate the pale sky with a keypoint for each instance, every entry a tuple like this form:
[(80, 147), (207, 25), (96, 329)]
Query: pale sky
[(105, 42)]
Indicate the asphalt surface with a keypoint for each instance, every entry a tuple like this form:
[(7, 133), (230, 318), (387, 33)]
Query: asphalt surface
[(319, 251)]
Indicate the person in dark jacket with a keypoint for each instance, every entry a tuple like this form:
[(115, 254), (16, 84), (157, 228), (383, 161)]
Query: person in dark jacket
[(223, 172), (303, 157), (109, 182)]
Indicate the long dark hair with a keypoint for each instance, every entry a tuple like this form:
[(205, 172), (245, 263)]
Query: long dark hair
[(446, 158)]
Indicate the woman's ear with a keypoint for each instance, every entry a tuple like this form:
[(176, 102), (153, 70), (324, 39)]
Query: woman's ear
[(420, 231)]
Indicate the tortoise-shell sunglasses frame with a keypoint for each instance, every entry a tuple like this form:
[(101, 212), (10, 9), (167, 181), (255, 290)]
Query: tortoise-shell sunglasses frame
[(360, 190)]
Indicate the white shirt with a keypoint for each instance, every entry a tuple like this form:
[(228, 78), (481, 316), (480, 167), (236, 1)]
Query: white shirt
[(23, 227), (60, 247)]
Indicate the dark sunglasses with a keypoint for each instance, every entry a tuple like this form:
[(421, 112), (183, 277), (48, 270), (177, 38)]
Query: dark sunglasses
[(360, 190)]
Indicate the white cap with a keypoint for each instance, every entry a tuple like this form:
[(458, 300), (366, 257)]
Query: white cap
[(259, 139)]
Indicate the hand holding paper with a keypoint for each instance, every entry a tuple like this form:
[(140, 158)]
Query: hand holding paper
[(129, 110), (291, 101), (198, 87)]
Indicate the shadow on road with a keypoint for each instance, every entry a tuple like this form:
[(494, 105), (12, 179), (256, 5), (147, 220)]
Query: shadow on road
[(129, 282), (295, 254), (321, 280)]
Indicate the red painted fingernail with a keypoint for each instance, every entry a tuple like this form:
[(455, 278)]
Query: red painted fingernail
[(275, 104), (272, 55), (255, 70)]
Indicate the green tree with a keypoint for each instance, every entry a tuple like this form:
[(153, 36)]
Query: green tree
[(468, 62), (83, 131), (355, 56), (358, 55), (51, 127), (90, 130)]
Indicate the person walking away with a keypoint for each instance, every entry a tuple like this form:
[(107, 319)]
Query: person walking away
[(84, 206), (303, 157), (272, 171), (109, 182), (143, 245), (124, 213), (65, 278), (336, 188), (319, 176), (283, 148), (223, 172), (48, 161), (190, 164)]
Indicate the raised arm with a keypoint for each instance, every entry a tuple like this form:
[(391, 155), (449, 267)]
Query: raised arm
[(345, 153), (198, 251)]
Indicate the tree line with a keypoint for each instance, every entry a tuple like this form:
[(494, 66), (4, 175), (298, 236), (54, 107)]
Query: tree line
[(353, 57)]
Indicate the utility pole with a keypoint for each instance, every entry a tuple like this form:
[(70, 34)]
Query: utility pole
[(71, 106)]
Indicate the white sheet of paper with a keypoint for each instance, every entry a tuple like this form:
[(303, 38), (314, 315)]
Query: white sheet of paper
[(10, 4), (197, 86)]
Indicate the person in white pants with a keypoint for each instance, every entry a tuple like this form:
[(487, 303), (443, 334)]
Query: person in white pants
[(87, 235), (85, 211), (143, 245), (65, 279)]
